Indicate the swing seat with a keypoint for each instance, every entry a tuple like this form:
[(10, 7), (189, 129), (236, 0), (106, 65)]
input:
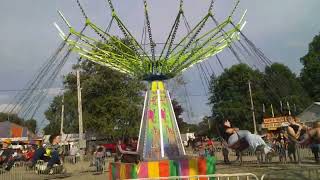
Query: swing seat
[(240, 145)]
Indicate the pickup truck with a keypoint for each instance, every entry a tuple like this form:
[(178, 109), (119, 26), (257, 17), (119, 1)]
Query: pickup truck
[(111, 147)]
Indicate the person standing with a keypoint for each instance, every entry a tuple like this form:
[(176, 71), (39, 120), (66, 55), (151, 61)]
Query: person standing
[(281, 143), (73, 153), (99, 159), (294, 131), (312, 138)]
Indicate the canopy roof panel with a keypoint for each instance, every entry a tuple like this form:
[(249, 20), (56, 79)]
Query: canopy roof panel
[(140, 60)]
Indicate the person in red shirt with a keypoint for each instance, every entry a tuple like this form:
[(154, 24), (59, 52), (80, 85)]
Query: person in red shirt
[(29, 154)]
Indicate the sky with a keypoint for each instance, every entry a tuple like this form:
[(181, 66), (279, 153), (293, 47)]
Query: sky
[(281, 29)]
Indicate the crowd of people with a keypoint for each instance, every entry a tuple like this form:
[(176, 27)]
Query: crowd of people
[(54, 154), (9, 156), (293, 135), (285, 143), (30, 154)]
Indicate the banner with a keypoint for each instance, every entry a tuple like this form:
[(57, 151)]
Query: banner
[(274, 122)]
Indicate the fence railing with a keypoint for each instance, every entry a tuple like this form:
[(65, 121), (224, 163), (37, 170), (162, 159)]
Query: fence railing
[(294, 174), (89, 164), (237, 176), (71, 166), (301, 155)]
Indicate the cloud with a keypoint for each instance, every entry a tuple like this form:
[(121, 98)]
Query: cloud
[(279, 28), (54, 91), (3, 97), (296, 44)]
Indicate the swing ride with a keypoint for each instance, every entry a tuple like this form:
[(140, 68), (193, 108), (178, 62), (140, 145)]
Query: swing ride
[(160, 145), (159, 136)]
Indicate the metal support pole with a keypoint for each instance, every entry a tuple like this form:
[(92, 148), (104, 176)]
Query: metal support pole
[(252, 109)]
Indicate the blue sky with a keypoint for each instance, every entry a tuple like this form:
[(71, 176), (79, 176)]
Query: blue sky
[(281, 29)]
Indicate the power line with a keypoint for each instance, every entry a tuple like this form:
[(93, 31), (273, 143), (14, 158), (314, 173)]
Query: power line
[(19, 90)]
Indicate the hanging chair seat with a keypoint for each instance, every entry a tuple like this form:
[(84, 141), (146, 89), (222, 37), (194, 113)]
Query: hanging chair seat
[(240, 145)]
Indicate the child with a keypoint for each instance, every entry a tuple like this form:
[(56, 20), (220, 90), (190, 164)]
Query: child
[(99, 157)]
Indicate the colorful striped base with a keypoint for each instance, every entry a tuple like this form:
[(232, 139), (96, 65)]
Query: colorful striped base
[(163, 168)]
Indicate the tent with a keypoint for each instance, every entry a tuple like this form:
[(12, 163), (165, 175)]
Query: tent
[(311, 113), (15, 132)]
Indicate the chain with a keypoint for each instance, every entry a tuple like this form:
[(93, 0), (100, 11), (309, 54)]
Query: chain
[(181, 5), (111, 5), (192, 38), (235, 7), (149, 30), (173, 36), (82, 10), (109, 26), (211, 5), (126, 36)]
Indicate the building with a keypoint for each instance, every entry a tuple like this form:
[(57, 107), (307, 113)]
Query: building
[(310, 114), (19, 135), (15, 132)]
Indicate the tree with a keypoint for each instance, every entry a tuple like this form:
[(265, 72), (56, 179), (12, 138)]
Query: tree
[(281, 84), (205, 127), (230, 96), (230, 93), (310, 74), (12, 118), (111, 101), (31, 124)]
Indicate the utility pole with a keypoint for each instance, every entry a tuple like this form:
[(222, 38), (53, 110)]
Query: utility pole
[(62, 115), (82, 143), (252, 109)]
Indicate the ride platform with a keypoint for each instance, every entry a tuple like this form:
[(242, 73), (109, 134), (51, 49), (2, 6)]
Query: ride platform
[(160, 146), (163, 168)]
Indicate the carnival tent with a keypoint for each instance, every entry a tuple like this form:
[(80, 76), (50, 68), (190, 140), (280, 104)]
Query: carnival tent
[(14, 132), (311, 113)]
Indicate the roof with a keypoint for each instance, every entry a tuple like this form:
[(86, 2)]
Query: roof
[(12, 130), (311, 113), (64, 137)]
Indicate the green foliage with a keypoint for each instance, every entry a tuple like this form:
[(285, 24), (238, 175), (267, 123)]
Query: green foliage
[(230, 97), (205, 127), (111, 102), (310, 74), (12, 118), (282, 84), (31, 124)]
